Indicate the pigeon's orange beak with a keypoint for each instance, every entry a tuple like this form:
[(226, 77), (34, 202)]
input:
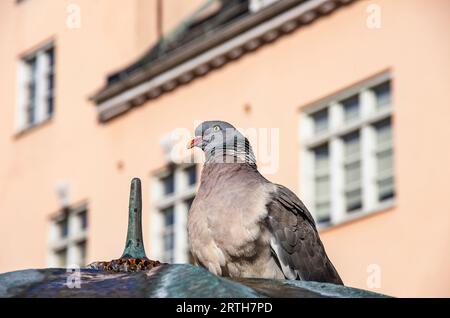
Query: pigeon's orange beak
[(194, 142)]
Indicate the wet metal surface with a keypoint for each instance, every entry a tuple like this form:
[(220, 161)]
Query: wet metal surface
[(134, 275), (174, 281)]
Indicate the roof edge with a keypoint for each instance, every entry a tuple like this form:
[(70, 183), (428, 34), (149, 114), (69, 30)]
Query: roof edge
[(200, 57)]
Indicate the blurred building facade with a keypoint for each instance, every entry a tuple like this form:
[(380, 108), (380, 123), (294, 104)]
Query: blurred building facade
[(356, 93)]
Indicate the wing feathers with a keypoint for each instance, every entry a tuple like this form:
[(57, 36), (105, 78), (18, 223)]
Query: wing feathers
[(296, 241)]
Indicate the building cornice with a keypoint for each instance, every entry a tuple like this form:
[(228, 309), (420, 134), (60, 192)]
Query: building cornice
[(200, 57)]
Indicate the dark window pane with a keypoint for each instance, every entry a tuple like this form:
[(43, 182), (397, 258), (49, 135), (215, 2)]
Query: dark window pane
[(385, 160), (322, 184), (83, 220), (191, 173), (384, 132), (168, 236), (383, 94), (63, 226), (33, 64), (322, 212), (322, 191), (51, 57), (50, 81), (168, 184), (31, 105), (353, 200), (386, 189), (351, 108), (320, 121), (352, 144), (354, 207), (324, 219), (321, 157), (30, 114), (386, 196), (168, 214), (50, 106)]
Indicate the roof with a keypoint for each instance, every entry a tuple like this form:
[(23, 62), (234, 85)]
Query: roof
[(208, 19), (218, 32)]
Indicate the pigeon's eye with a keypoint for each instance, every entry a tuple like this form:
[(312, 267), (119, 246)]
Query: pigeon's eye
[(216, 128)]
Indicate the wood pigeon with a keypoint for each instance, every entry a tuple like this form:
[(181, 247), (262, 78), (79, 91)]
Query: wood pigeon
[(242, 225)]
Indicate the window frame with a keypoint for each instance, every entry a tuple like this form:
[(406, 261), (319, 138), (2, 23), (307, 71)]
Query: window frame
[(76, 235), (45, 87), (183, 192), (369, 116)]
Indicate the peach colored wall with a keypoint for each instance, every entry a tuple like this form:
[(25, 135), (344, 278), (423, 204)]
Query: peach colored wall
[(410, 242)]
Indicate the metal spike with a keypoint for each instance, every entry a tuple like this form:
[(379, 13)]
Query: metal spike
[(134, 247)]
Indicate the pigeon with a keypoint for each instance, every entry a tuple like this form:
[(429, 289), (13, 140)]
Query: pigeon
[(241, 225)]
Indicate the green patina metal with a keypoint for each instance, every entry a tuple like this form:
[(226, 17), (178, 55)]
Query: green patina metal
[(134, 247), (175, 281), (133, 258)]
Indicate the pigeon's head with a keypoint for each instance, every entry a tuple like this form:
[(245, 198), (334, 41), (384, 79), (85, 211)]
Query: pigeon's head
[(222, 142)]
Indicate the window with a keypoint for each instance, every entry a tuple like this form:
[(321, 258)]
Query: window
[(191, 173), (68, 238), (352, 171), (168, 183), (36, 80), (168, 236), (320, 121), (349, 153), (383, 95), (63, 227), (385, 174), (174, 191), (322, 183), (83, 220), (351, 108)]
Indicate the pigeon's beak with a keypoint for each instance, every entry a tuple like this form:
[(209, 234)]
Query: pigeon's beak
[(194, 142)]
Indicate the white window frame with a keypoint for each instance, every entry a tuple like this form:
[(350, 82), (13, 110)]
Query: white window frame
[(43, 70), (159, 201), (76, 234), (369, 115)]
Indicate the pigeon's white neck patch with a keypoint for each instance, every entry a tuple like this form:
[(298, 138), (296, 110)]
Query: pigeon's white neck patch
[(231, 156)]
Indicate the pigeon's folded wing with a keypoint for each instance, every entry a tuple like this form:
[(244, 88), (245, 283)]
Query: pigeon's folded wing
[(295, 241)]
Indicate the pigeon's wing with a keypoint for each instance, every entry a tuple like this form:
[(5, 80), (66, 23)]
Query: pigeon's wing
[(295, 243)]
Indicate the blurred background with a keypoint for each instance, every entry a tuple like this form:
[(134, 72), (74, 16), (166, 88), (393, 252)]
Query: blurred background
[(91, 93)]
